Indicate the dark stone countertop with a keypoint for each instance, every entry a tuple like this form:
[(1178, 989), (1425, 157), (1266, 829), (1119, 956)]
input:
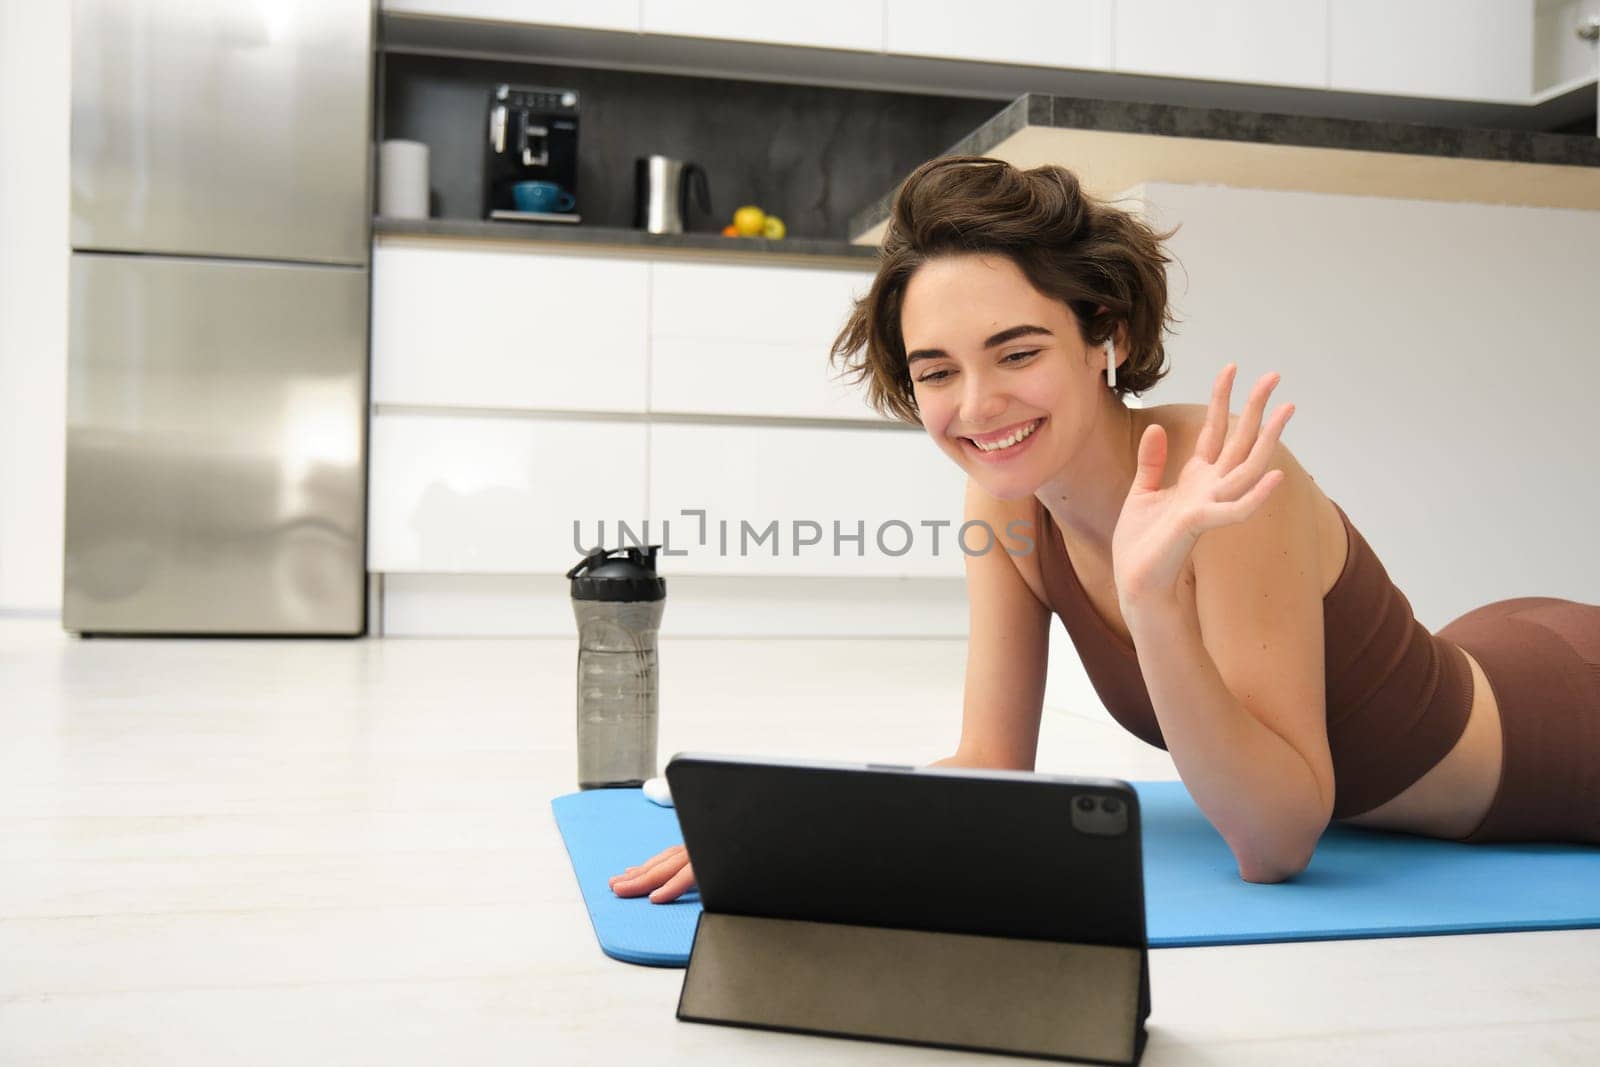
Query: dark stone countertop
[(624, 240), (1258, 127)]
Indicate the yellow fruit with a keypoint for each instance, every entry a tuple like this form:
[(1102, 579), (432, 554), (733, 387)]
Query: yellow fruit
[(774, 228), (749, 220)]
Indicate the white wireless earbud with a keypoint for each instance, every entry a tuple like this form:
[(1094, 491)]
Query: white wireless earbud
[(1111, 363)]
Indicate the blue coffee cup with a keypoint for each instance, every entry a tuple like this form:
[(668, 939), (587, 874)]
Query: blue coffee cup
[(542, 196)]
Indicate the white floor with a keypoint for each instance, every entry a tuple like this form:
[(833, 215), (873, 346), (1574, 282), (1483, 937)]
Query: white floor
[(317, 852)]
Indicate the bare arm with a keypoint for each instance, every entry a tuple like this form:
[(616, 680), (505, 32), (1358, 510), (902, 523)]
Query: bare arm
[(1233, 660), (1249, 781), (1008, 647)]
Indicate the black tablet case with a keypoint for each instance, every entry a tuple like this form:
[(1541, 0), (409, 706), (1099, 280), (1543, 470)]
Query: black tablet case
[(983, 910)]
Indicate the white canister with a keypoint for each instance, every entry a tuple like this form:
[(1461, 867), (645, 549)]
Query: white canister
[(403, 180)]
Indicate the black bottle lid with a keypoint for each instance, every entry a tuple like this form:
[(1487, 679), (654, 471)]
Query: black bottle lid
[(602, 576)]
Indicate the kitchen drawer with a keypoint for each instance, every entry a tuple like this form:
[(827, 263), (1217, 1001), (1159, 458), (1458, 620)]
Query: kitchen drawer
[(849, 24), (1462, 49), (589, 14), (483, 494), (740, 340), (484, 327), (761, 475), (1060, 33), (1259, 42)]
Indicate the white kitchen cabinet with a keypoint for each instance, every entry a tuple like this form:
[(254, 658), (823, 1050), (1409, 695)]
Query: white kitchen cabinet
[(466, 326), (865, 481), (1265, 42), (847, 24), (453, 494), (1041, 33), (1463, 49), (742, 340), (586, 14)]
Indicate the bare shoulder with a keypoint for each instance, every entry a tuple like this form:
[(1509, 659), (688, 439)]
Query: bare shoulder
[(1015, 525)]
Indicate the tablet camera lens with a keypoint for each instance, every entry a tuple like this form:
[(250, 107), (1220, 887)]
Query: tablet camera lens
[(1086, 803), (1110, 805)]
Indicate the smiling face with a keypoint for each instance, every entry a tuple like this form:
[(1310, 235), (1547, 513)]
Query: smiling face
[(1002, 377)]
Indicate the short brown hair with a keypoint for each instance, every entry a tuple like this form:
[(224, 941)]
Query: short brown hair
[(1070, 245)]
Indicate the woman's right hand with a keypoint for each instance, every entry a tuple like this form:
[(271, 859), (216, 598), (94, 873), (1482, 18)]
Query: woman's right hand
[(665, 876)]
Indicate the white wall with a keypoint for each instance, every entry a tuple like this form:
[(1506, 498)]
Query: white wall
[(33, 300)]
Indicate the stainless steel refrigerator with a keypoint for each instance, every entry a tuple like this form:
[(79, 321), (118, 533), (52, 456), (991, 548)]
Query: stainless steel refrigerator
[(217, 351)]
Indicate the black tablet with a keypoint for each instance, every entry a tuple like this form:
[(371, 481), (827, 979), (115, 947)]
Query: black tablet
[(956, 850), (976, 909)]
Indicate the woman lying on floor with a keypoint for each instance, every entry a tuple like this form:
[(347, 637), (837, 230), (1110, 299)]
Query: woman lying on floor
[(1224, 608)]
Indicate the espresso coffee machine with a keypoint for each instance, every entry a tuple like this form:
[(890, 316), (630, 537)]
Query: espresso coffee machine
[(533, 137)]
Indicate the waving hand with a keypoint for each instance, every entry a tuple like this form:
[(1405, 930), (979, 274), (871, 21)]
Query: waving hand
[(1224, 482)]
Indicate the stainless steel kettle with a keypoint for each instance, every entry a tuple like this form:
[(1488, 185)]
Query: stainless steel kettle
[(661, 193)]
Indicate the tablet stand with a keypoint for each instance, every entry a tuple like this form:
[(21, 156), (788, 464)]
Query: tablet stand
[(993, 994)]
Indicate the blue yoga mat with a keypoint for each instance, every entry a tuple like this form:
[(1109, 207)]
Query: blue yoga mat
[(1361, 883)]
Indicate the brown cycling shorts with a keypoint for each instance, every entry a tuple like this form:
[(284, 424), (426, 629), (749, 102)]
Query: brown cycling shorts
[(1542, 658)]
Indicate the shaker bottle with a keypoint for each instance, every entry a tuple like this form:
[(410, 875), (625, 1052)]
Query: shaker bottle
[(618, 602)]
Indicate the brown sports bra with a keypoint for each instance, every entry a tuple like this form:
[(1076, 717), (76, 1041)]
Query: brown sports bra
[(1398, 698)]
